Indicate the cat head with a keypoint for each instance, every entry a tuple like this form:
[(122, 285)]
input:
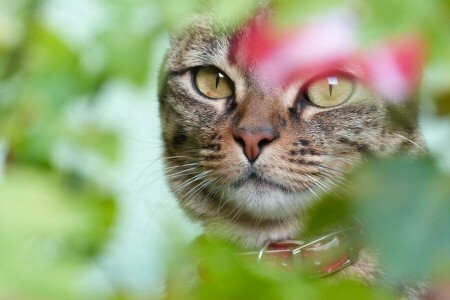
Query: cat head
[(245, 157)]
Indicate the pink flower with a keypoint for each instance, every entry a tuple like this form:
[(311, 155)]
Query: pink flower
[(394, 70), (276, 58)]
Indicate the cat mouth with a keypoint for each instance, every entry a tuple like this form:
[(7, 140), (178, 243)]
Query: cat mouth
[(259, 182)]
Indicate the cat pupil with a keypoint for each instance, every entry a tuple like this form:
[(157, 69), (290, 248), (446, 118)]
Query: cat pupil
[(332, 81), (218, 77)]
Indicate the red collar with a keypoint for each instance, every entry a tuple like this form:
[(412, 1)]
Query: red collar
[(320, 257)]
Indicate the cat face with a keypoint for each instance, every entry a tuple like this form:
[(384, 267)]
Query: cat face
[(246, 157)]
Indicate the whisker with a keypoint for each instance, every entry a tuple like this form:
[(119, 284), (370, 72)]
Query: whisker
[(412, 142), (181, 172), (193, 179), (309, 188), (318, 183), (193, 191)]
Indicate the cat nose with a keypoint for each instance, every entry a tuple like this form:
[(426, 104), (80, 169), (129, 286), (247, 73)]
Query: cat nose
[(253, 141)]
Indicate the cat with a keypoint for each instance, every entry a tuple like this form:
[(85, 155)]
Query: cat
[(245, 160)]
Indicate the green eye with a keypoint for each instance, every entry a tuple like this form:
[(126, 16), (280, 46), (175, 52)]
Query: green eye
[(213, 83), (330, 91)]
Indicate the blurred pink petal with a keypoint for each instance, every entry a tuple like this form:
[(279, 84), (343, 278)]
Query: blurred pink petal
[(276, 59), (394, 70)]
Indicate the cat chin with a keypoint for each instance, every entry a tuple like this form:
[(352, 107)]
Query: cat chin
[(267, 202)]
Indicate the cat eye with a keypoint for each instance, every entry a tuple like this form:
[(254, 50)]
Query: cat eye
[(330, 91), (211, 82)]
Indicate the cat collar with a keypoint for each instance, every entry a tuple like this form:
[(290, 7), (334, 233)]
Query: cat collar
[(320, 257)]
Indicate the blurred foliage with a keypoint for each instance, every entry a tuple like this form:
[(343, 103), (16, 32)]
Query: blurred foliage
[(54, 219), (230, 277), (412, 197), (51, 227)]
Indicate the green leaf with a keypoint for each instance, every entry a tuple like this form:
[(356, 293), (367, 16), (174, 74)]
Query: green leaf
[(227, 276), (50, 230), (332, 211), (404, 204)]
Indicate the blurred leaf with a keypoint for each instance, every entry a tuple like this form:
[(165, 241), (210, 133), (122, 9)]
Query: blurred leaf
[(174, 13), (225, 12), (404, 204), (49, 232), (442, 102), (104, 143), (229, 277), (289, 12), (128, 55), (54, 72), (332, 211)]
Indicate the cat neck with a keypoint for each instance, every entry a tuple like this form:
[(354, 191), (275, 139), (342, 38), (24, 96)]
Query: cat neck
[(253, 235)]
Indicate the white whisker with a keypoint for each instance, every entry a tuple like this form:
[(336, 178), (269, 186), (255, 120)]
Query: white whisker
[(412, 142)]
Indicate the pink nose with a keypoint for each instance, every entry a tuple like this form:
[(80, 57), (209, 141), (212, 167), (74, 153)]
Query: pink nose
[(253, 141)]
